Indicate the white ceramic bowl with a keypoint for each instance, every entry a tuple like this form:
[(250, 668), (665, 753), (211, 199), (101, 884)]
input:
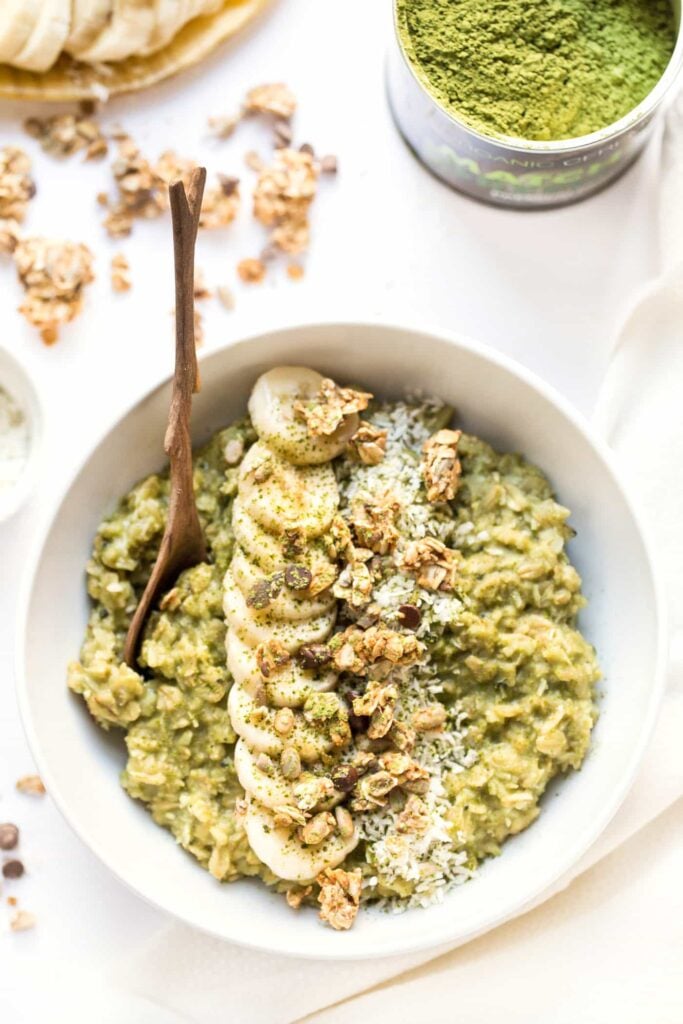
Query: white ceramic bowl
[(497, 400), (15, 380)]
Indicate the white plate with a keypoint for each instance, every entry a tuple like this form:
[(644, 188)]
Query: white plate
[(502, 403)]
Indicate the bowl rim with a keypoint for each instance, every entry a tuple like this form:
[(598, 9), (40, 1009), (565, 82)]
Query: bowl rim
[(29, 400), (575, 850)]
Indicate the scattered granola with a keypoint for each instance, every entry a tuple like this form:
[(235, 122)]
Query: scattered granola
[(339, 897), (220, 203), (120, 273), (31, 785), (282, 197), (54, 275), (441, 466), (21, 921), (295, 271), (277, 99), (355, 650), (295, 897), (251, 271), (16, 184), (62, 135), (432, 562), (326, 412)]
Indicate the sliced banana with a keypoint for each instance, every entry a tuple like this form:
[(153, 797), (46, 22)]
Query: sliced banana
[(285, 854), (126, 32), (280, 496), (263, 548), (287, 604), (17, 20), (272, 410), (253, 722), (256, 627), (270, 790), (88, 19), (47, 38), (168, 19), (288, 688)]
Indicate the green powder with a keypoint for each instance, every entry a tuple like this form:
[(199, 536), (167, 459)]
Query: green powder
[(538, 69)]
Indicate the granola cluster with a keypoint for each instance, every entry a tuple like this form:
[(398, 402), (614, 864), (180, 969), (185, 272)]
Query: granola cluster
[(54, 275), (373, 651), (62, 135), (434, 564), (369, 444), (282, 197), (328, 410), (16, 184), (120, 273), (339, 897), (441, 466)]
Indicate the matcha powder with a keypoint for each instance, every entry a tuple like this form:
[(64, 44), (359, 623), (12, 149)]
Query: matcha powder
[(538, 69)]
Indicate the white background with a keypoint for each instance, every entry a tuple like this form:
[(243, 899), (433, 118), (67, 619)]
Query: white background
[(389, 240)]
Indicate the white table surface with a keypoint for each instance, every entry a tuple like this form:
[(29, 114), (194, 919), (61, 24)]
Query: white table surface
[(389, 241)]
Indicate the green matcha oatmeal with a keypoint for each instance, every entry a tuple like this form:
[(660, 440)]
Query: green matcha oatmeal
[(370, 683), (540, 70)]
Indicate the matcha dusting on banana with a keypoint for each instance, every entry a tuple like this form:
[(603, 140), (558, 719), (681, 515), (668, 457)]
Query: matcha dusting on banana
[(540, 70)]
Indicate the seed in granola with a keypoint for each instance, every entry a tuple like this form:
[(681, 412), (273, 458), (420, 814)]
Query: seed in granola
[(22, 921), (430, 718), (315, 656), (329, 164), (344, 777), (284, 721), (290, 763), (344, 822), (12, 869), (260, 596), (298, 577), (295, 271), (265, 764), (9, 836), (251, 271), (317, 829), (31, 785), (409, 616)]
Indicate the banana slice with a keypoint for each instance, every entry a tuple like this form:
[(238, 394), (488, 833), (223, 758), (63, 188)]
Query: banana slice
[(272, 410), (270, 790), (286, 605), (255, 627), (88, 19), (127, 32), (47, 37), (280, 496), (283, 852), (254, 723), (17, 20), (168, 19), (289, 688), (263, 549)]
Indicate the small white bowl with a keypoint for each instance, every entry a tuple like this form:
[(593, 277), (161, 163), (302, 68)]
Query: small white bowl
[(16, 382), (494, 398)]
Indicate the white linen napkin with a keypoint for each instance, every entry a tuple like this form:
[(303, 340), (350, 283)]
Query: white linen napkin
[(640, 411)]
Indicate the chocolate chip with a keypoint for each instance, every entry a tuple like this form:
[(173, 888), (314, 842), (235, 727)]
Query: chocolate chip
[(9, 836), (298, 577), (344, 777), (12, 869), (229, 185), (259, 596), (329, 165), (315, 656), (409, 616)]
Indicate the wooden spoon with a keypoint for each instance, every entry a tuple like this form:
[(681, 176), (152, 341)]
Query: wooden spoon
[(183, 543)]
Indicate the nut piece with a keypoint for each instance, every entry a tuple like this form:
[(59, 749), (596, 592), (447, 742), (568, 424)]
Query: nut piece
[(441, 466), (31, 785), (373, 520), (120, 273), (283, 721), (327, 411), (22, 921), (429, 719), (315, 656), (234, 450), (317, 829), (290, 763), (432, 562), (272, 658), (339, 896), (295, 897), (344, 822), (9, 836), (369, 443), (16, 184), (298, 577), (251, 271), (414, 818)]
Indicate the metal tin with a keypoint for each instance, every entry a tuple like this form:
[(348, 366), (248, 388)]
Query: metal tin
[(513, 172)]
